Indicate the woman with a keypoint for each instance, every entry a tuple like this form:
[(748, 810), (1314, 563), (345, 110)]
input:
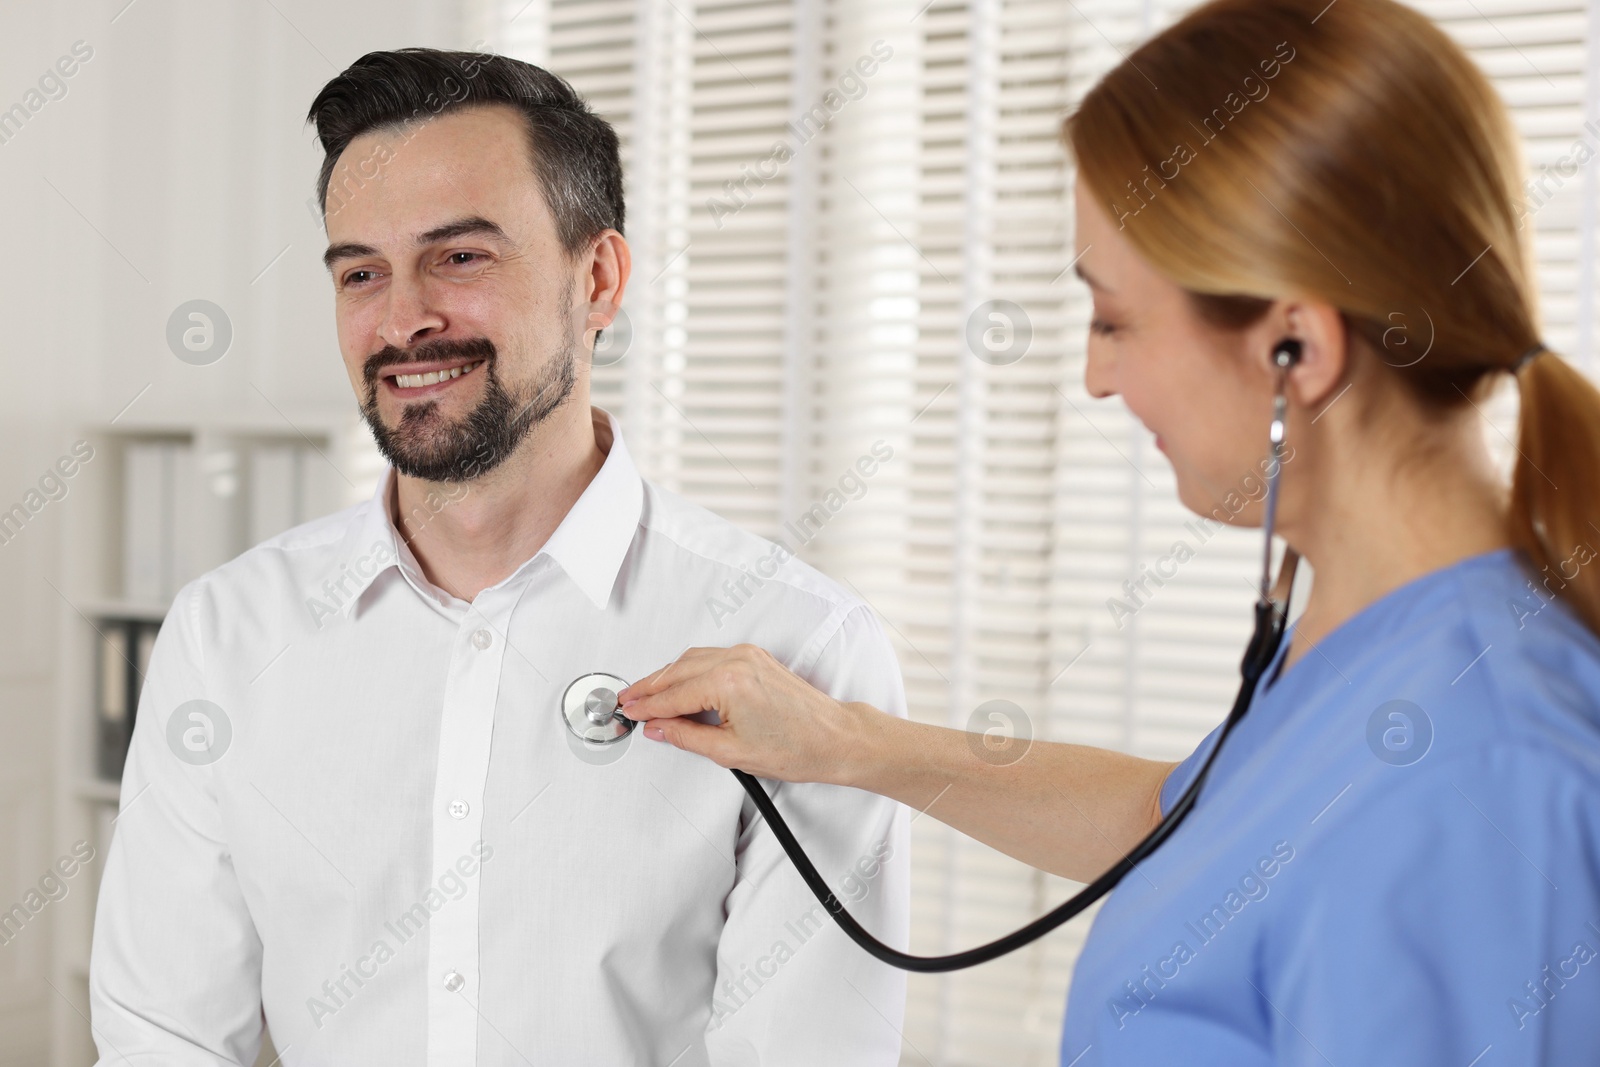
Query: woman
[(1396, 858)]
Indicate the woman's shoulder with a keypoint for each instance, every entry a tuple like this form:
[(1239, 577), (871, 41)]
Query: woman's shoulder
[(1456, 722), (1470, 737), (1533, 680), (1481, 656)]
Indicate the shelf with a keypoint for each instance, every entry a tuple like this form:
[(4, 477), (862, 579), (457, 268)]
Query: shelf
[(98, 790), (141, 611), (325, 423)]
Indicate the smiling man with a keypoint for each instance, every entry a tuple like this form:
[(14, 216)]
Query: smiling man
[(385, 842)]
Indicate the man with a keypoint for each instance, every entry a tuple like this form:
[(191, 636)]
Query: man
[(352, 804)]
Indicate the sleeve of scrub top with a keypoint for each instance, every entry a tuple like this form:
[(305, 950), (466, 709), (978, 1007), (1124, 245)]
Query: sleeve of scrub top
[(175, 964), (1181, 775), (1458, 912), (792, 990)]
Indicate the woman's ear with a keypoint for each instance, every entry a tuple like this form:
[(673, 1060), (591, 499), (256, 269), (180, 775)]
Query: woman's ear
[(1321, 332)]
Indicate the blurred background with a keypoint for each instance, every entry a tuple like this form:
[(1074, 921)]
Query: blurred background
[(824, 259)]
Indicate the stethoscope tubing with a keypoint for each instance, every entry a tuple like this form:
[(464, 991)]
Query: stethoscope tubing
[(1263, 647), (1271, 619)]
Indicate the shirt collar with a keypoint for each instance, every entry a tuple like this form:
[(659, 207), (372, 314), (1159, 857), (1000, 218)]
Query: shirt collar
[(594, 537), (589, 544)]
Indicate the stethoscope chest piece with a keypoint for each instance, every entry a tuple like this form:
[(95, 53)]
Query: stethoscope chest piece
[(589, 708)]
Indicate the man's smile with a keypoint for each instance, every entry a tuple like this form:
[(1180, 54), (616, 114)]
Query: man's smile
[(416, 380)]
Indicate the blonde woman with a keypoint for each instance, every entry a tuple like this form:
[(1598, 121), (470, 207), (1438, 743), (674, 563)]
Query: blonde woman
[(1396, 857)]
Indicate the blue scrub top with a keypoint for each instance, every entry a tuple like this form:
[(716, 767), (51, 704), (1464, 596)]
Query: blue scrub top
[(1395, 859)]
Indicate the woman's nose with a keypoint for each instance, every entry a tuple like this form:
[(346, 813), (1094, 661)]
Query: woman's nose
[(1099, 372)]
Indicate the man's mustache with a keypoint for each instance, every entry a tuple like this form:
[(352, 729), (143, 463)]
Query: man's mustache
[(427, 352)]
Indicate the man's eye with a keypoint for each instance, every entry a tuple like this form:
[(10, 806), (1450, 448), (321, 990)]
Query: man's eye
[(351, 279), (1102, 327), (462, 262)]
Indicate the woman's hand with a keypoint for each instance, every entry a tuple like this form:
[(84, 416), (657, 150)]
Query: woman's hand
[(774, 725), (1067, 809)]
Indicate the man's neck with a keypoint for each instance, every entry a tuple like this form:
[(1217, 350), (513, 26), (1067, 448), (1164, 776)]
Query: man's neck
[(469, 536)]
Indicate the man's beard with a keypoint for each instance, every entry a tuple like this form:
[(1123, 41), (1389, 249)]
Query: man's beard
[(425, 446)]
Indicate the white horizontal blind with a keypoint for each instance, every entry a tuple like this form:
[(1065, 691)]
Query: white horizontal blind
[(993, 226), (1537, 52), (820, 303), (729, 395), (592, 44)]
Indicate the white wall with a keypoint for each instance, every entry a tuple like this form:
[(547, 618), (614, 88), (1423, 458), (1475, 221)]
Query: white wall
[(177, 165)]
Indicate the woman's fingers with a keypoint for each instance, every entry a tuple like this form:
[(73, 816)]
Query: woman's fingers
[(694, 686), (713, 742), (687, 691), (702, 679), (773, 724), (690, 662)]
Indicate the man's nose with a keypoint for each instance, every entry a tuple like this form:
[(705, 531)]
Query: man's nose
[(409, 317)]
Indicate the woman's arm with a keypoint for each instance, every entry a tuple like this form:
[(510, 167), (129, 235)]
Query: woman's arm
[(1072, 810)]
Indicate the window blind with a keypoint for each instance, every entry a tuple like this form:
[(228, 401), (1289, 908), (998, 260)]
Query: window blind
[(827, 260)]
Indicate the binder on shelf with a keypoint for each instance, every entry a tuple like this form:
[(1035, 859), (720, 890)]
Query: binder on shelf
[(112, 747), (146, 511), (277, 497), (191, 522), (143, 644), (124, 659), (289, 485), (182, 516)]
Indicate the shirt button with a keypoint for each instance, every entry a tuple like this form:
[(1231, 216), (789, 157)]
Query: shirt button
[(453, 981), (481, 639), (458, 809)]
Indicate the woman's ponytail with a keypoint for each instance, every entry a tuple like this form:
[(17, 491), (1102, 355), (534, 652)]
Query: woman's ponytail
[(1555, 487)]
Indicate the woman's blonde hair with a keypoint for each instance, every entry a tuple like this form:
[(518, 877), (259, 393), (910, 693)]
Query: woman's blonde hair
[(1271, 149)]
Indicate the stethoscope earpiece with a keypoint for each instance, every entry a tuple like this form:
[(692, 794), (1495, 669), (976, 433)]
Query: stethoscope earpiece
[(1287, 352)]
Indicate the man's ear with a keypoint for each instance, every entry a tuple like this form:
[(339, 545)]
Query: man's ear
[(1324, 357), (609, 266)]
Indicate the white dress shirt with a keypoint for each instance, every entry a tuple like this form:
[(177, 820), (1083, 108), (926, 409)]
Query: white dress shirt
[(376, 829)]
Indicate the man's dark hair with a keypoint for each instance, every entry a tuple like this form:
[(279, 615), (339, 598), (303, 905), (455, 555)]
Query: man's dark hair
[(574, 151)]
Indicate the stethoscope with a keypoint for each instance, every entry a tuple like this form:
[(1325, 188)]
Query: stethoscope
[(590, 710)]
